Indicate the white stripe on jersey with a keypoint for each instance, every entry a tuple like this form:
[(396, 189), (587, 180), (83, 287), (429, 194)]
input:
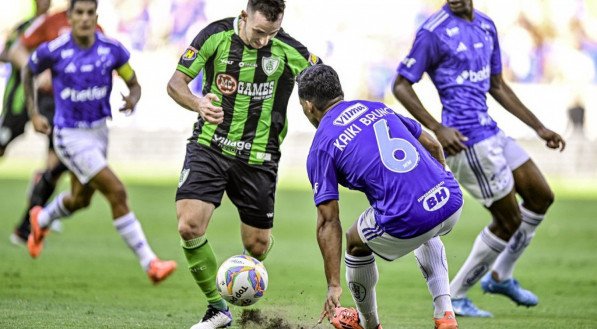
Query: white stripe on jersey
[(109, 40), (434, 22), (36, 23)]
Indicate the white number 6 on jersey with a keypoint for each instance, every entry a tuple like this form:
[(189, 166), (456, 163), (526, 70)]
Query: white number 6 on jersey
[(388, 147)]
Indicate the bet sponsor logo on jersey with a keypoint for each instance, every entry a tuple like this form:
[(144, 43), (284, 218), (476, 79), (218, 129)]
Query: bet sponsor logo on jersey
[(474, 76), (90, 94), (228, 85)]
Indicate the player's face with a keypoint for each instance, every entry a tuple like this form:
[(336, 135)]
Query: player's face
[(42, 6), (461, 7), (309, 112), (83, 19), (256, 31)]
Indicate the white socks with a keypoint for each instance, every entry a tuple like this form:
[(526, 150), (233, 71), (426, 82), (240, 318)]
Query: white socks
[(485, 250), (361, 275), (131, 232), (54, 210), (504, 265), (431, 257)]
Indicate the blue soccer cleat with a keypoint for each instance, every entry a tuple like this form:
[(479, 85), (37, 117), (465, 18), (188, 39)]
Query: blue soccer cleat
[(510, 288), (465, 307)]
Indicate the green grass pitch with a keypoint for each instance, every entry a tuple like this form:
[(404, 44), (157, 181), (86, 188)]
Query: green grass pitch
[(87, 278)]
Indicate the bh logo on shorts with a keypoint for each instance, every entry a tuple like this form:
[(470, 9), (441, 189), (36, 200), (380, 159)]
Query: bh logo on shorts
[(435, 198)]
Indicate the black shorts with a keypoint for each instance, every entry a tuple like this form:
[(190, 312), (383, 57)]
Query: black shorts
[(206, 174), (12, 124), (12, 121)]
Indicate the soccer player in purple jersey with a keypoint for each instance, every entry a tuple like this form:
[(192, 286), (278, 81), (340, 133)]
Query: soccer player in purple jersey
[(368, 147), (458, 48), (82, 63)]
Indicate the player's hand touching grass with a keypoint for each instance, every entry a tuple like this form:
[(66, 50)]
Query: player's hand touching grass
[(332, 301), (208, 111), (451, 139), (41, 124), (553, 140)]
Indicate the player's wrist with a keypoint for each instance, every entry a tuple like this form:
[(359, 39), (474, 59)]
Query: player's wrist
[(436, 127)]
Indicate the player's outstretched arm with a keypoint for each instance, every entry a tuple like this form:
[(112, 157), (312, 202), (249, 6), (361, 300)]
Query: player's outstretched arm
[(329, 237), (18, 54), (40, 122), (506, 97), (451, 139), (127, 73)]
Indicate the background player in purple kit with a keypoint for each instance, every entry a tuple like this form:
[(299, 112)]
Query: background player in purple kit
[(366, 146), (458, 47), (82, 63)]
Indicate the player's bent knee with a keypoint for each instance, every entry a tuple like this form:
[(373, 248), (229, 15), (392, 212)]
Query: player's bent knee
[(257, 248), (540, 202), (188, 230)]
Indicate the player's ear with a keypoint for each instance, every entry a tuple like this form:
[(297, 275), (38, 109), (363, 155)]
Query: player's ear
[(244, 15), (309, 107)]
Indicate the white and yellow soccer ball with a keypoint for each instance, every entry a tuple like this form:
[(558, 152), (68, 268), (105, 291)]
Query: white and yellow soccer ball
[(242, 280)]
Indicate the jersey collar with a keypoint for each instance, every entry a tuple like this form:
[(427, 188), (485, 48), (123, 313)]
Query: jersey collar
[(235, 24)]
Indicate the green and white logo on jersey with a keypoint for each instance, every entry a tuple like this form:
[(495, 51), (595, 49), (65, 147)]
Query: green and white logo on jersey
[(270, 64)]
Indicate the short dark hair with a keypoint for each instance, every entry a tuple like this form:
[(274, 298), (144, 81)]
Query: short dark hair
[(73, 2), (319, 84), (271, 9)]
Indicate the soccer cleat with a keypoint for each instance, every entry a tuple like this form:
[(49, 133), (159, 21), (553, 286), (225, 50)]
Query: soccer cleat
[(447, 322), (214, 318), (17, 239), (465, 307), (57, 226), (35, 241), (345, 318), (159, 270), (510, 288)]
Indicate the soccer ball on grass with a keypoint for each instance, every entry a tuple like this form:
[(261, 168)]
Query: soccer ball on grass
[(241, 280)]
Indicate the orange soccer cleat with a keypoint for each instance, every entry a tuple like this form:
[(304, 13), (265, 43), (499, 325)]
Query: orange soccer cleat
[(345, 318), (35, 241), (159, 270), (447, 322)]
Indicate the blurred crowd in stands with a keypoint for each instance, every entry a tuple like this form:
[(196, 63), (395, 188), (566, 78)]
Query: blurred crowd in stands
[(543, 41)]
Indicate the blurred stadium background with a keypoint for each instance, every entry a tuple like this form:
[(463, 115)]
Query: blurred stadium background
[(550, 56), (549, 51)]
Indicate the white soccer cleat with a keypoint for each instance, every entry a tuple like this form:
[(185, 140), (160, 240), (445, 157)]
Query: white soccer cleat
[(214, 319)]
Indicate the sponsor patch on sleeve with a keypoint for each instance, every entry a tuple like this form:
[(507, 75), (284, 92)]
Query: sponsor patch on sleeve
[(189, 54), (313, 59)]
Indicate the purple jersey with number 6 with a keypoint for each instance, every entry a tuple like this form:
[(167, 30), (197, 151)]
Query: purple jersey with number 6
[(366, 146), (81, 78)]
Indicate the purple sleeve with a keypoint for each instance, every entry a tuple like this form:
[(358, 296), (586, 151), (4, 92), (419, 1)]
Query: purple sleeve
[(422, 55), (496, 56), (322, 175), (40, 59), (121, 55), (413, 126)]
